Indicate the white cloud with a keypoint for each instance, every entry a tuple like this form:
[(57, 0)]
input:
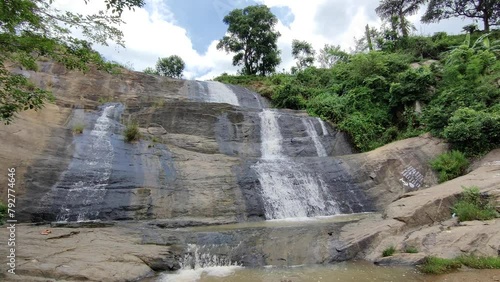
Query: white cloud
[(153, 32)]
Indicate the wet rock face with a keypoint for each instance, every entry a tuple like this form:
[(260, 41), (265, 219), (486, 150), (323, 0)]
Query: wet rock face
[(200, 159)]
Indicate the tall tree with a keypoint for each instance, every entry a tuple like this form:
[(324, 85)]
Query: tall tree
[(399, 9), (252, 37), (304, 53), (486, 10), (33, 28), (171, 66)]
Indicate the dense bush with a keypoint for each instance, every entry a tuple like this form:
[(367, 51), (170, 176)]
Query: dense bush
[(472, 206), (450, 165)]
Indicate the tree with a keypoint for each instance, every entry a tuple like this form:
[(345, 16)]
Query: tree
[(252, 37), (397, 10), (171, 66), (330, 55), (30, 29), (486, 10), (304, 53)]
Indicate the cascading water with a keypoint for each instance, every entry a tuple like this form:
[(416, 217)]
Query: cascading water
[(199, 260), (220, 93), (323, 127), (311, 131), (96, 157), (288, 190)]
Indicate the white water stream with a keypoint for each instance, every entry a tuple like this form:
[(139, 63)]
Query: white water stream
[(288, 190), (97, 157)]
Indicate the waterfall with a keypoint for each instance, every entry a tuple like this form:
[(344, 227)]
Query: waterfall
[(95, 169), (311, 131), (198, 261), (323, 127), (287, 189), (220, 93)]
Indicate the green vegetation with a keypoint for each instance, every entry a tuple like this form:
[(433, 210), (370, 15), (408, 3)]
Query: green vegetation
[(434, 265), (78, 128), (373, 95), (34, 30), (450, 165), (131, 132), (3, 213), (389, 251), (473, 206), (171, 66), (411, 250), (252, 37)]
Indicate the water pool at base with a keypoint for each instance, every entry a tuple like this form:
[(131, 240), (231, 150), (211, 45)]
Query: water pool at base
[(346, 271)]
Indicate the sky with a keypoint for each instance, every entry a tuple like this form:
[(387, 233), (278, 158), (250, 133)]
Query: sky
[(192, 28)]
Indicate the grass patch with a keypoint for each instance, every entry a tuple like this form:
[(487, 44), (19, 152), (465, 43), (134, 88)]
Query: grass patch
[(434, 265), (389, 251), (450, 165), (411, 250), (473, 206), (78, 128), (104, 100), (480, 262), (131, 132)]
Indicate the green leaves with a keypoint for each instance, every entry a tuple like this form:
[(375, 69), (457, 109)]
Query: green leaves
[(253, 38), (171, 66), (30, 29)]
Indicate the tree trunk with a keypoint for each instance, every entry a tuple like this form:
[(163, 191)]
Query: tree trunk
[(369, 38), (402, 24), (486, 21)]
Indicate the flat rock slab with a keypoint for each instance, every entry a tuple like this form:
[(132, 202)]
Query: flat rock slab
[(97, 254)]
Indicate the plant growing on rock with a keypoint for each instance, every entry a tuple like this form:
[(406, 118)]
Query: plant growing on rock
[(3, 212), (411, 250), (389, 251), (78, 128), (473, 206), (434, 265), (131, 132), (450, 165)]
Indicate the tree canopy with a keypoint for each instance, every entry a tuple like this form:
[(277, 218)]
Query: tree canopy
[(304, 53), (396, 12), (171, 66), (486, 10), (30, 29), (252, 37)]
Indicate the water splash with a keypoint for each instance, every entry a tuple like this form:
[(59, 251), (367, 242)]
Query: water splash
[(311, 131), (199, 261)]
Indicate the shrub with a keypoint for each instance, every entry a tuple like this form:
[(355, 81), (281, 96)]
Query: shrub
[(473, 131), (434, 265), (389, 251), (450, 165), (131, 132), (472, 206), (78, 128)]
